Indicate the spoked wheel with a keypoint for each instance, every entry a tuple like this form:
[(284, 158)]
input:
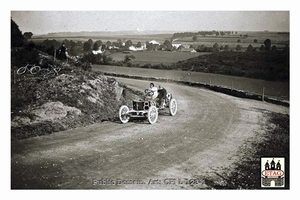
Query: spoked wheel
[(152, 114), (123, 114), (173, 107), (35, 69), (21, 70)]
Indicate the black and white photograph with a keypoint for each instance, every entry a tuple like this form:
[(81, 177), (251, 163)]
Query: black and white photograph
[(150, 99)]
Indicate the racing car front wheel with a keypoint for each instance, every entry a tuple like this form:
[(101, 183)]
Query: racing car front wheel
[(173, 107), (152, 114), (123, 114)]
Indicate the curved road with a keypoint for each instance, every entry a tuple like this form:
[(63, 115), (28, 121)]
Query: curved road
[(202, 137)]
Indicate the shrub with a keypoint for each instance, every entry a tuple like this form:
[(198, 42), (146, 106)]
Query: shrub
[(238, 47), (19, 57)]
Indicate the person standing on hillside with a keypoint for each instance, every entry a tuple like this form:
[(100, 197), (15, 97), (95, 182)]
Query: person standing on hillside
[(62, 52)]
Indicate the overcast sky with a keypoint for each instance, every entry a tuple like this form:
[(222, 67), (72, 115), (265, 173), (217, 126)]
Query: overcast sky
[(41, 22)]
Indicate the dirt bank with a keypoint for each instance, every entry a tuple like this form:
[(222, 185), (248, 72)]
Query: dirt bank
[(41, 107)]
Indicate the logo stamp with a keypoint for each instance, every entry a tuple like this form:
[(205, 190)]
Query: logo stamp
[(272, 172)]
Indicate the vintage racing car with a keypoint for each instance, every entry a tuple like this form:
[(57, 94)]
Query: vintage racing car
[(148, 108)]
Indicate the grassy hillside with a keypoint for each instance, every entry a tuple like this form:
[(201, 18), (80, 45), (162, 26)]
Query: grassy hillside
[(72, 99), (261, 65)]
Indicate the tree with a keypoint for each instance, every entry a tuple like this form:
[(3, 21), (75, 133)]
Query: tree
[(226, 48), (238, 41), (238, 47), (138, 45), (255, 40), (95, 46), (168, 45), (150, 47), (195, 38), (216, 47), (79, 43), (87, 46), (128, 58), (27, 35), (262, 48), (267, 43), (72, 46), (99, 43), (250, 48), (201, 48), (90, 41), (108, 43), (17, 39), (128, 43), (274, 48)]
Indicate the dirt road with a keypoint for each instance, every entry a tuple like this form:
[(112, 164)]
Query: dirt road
[(172, 154)]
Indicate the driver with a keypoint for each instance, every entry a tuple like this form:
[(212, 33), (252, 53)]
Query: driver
[(154, 90), (162, 95)]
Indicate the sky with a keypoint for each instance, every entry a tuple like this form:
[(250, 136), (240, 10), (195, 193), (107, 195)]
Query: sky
[(43, 22)]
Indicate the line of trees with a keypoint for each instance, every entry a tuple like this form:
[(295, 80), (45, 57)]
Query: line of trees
[(202, 33)]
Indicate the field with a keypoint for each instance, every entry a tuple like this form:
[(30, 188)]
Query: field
[(112, 37), (279, 40), (155, 57)]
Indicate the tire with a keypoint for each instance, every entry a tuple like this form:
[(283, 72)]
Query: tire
[(35, 69), (21, 70), (173, 107), (152, 115), (124, 118)]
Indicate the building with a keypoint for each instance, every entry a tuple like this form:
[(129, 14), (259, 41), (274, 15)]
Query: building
[(154, 42), (176, 45), (97, 52)]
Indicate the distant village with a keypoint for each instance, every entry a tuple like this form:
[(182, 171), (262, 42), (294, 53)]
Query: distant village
[(153, 45)]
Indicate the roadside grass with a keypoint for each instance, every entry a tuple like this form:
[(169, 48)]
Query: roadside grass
[(245, 173)]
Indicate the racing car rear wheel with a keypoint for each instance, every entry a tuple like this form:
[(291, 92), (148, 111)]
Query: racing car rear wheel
[(173, 107), (124, 118), (152, 114)]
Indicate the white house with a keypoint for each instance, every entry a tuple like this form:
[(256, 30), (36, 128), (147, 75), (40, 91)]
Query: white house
[(154, 42), (133, 48), (176, 45), (97, 52)]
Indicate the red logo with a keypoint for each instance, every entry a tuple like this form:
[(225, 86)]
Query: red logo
[(272, 173)]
